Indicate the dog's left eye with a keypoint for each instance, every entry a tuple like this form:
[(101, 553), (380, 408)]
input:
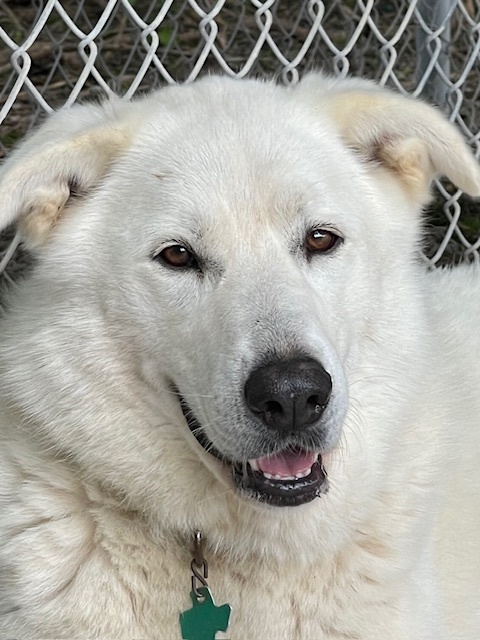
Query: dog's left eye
[(178, 257), (321, 241)]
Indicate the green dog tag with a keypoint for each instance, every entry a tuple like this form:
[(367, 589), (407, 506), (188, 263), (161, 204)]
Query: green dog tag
[(204, 619)]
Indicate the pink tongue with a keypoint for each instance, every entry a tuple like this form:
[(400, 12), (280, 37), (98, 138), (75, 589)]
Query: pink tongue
[(287, 463)]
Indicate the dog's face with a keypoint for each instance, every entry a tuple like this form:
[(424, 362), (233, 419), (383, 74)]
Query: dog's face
[(234, 266), (234, 252), (240, 255)]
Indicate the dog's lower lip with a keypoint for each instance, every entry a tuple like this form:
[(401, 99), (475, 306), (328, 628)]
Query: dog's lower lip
[(197, 430), (282, 492), (279, 492)]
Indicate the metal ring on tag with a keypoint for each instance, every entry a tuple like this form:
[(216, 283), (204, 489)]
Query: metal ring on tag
[(197, 576)]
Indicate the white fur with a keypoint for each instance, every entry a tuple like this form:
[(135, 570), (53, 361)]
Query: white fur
[(101, 482)]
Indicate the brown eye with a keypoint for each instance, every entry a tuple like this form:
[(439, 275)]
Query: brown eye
[(178, 257), (321, 241)]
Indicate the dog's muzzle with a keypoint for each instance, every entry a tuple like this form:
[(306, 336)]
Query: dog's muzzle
[(287, 398)]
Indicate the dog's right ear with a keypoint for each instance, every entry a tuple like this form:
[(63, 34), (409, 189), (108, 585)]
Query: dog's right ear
[(70, 153), (410, 140)]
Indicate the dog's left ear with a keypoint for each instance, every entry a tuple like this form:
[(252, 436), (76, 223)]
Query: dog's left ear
[(408, 138)]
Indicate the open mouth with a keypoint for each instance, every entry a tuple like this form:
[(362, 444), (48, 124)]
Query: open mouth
[(286, 478)]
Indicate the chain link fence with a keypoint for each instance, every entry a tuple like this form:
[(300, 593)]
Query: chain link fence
[(55, 53)]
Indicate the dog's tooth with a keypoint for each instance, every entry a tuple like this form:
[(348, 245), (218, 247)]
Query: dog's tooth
[(303, 474), (277, 476)]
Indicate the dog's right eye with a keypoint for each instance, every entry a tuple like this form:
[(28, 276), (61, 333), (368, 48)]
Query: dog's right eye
[(178, 257), (321, 241)]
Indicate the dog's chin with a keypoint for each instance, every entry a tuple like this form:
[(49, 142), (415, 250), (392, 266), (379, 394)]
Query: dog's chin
[(265, 488)]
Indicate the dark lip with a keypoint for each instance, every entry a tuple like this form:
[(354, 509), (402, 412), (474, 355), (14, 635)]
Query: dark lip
[(282, 493), (253, 484), (198, 431)]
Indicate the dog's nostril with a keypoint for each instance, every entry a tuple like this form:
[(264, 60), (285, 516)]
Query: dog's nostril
[(317, 404), (273, 412), (273, 407)]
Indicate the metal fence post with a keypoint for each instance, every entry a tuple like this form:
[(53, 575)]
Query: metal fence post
[(433, 50)]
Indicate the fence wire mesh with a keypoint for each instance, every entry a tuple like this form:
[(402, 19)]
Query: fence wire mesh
[(55, 53)]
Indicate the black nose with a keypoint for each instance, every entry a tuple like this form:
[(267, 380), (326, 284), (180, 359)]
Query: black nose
[(289, 395)]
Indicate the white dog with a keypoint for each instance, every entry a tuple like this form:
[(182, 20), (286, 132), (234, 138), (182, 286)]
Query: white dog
[(229, 331)]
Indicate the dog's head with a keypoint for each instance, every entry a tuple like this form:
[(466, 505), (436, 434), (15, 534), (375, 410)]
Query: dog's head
[(222, 265)]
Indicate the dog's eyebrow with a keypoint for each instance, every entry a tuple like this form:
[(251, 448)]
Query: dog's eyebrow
[(162, 174)]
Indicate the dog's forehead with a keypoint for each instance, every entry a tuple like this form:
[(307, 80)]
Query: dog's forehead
[(234, 130), (233, 154)]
